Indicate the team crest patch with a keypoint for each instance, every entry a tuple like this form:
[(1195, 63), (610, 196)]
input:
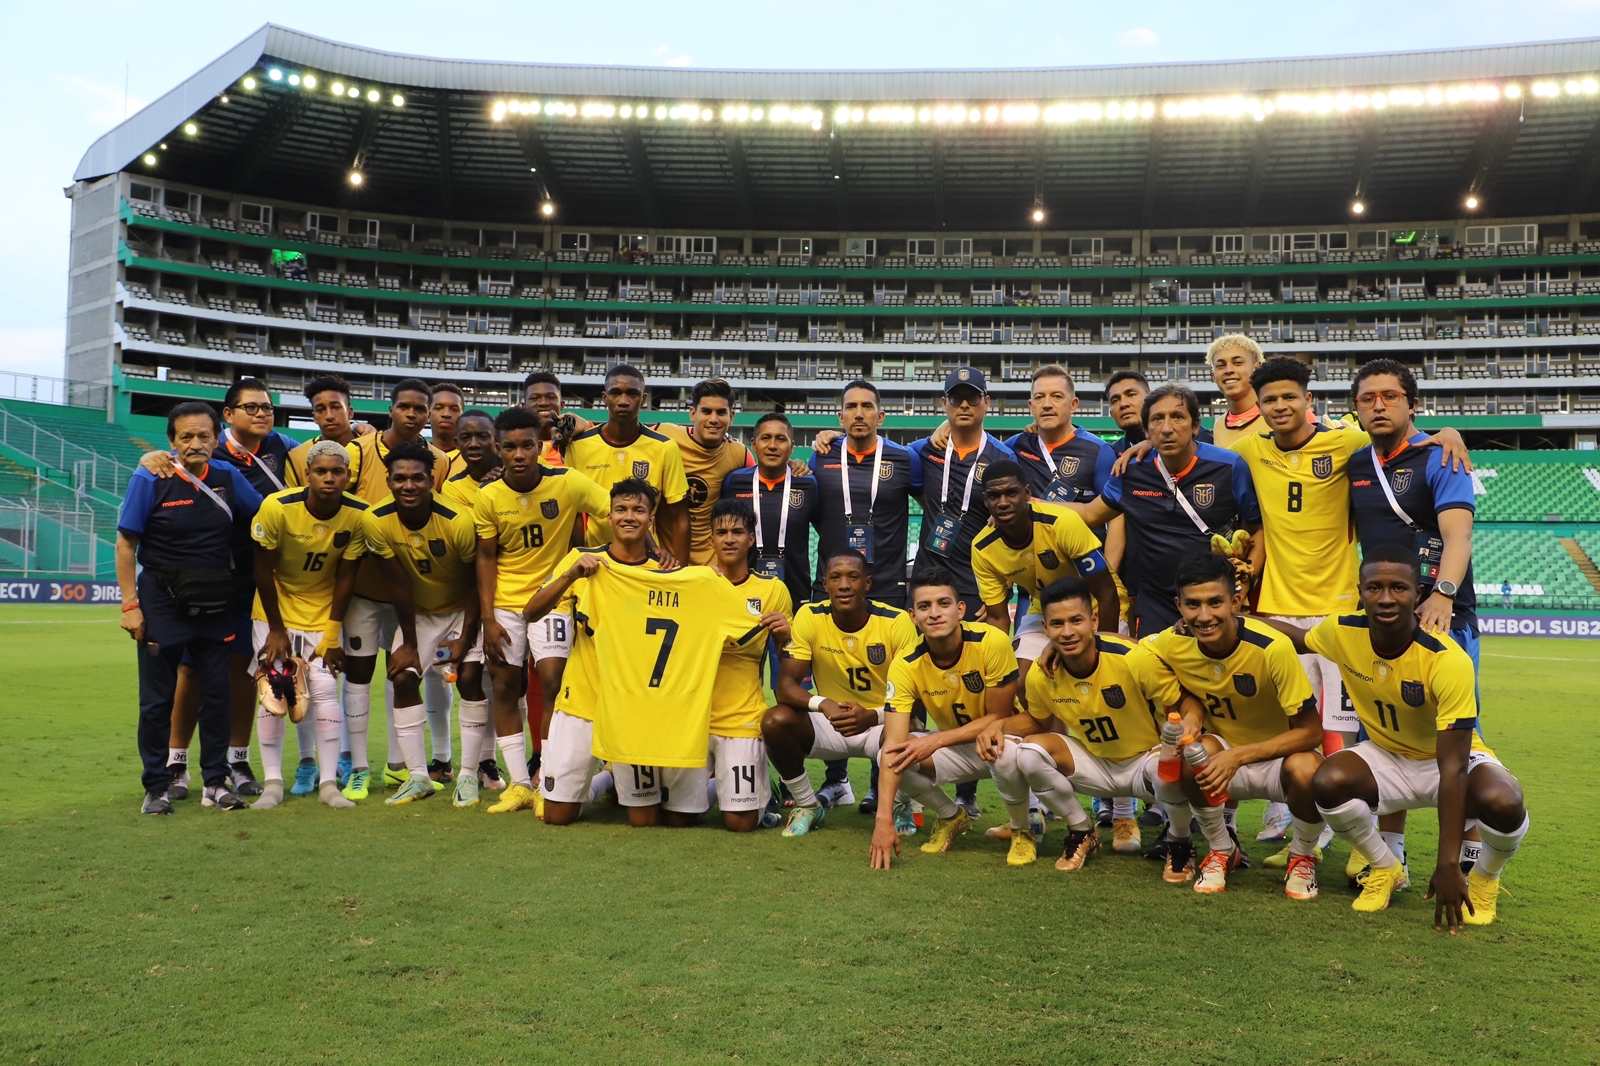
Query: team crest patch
[(754, 605), (355, 643), (1244, 684), (1413, 693), (436, 547), (1322, 466), (981, 468), (549, 782), (1114, 696), (641, 469), (699, 491), (973, 680), (797, 499), (1068, 466), (1402, 481), (877, 654), (341, 538), (1049, 559), (549, 508), (887, 470), (1205, 495)]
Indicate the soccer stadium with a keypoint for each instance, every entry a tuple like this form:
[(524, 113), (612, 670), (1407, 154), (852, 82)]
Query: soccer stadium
[(301, 207)]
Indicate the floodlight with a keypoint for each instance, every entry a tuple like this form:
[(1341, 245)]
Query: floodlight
[(310, 81), (547, 209), (627, 110), (249, 83), (1472, 203), (337, 88), (294, 79), (1513, 91), (356, 178), (275, 74), (398, 101), (190, 128), (223, 98), (1357, 208), (372, 96), (149, 159), (1038, 214), (163, 146)]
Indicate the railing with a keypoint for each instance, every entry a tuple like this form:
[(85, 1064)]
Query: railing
[(46, 539), (89, 470), (62, 391)]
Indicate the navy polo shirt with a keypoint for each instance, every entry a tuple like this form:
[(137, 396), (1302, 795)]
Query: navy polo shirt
[(179, 526), (1081, 464), (272, 454), (796, 553), (976, 517), (899, 479)]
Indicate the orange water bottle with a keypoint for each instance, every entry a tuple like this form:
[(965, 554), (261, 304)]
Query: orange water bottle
[(1169, 767), (1198, 758)]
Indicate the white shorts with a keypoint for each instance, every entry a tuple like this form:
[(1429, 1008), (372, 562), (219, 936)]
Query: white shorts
[(434, 631), (679, 789), (550, 637), (1112, 778), (958, 764), (1030, 641), (516, 648), (740, 766), (1257, 780), (302, 642), (568, 764), (1406, 784), (829, 743), (368, 627), (1337, 714)]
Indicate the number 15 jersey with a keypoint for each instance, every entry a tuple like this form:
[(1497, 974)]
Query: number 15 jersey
[(533, 528), (855, 665)]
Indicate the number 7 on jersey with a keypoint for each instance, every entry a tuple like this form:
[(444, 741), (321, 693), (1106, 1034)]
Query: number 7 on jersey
[(668, 627)]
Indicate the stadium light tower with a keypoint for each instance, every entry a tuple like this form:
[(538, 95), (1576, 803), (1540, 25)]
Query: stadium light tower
[(547, 208), (1358, 208), (1472, 202), (1037, 214)]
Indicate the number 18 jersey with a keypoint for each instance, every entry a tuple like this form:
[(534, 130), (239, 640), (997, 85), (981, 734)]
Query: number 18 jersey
[(533, 528)]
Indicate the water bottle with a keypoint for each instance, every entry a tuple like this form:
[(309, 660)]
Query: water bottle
[(1169, 767), (442, 664), (1198, 758)]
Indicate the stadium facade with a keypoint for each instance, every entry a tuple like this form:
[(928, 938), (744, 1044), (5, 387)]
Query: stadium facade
[(301, 205)]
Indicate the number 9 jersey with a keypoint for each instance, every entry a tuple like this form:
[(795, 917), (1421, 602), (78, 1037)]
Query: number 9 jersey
[(953, 695), (308, 547)]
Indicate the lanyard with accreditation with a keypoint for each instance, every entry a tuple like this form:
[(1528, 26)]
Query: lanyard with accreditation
[(1430, 546), (251, 458), (859, 535), (770, 566), (946, 526)]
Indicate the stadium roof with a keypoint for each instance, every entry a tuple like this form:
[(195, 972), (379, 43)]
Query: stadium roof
[(1193, 145)]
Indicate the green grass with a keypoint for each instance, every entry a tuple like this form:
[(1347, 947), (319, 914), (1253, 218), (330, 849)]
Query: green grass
[(427, 934)]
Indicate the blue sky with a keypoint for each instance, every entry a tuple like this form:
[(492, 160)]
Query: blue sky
[(67, 66)]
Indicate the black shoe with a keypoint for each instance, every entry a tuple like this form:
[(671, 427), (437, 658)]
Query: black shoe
[(244, 782), (1180, 861), (1152, 818), (439, 770), (1102, 815), (869, 803), (1158, 850), (223, 798), (156, 803), (179, 789), (1244, 856), (489, 770)]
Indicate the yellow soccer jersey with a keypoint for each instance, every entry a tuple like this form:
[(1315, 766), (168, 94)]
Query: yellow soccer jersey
[(951, 696), (1403, 702), (652, 458), (659, 639), (533, 529), (308, 550), (1114, 710), (438, 557), (1062, 546), (1252, 693), (854, 665), (703, 469), (457, 463), (371, 480), (1305, 515), (579, 695), (461, 492), (737, 702), (296, 474)]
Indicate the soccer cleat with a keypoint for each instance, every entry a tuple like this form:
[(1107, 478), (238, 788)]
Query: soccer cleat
[(1153, 817), (969, 806), (156, 803), (243, 780), (222, 798), (1355, 864), (869, 802), (1238, 849), (305, 779), (1483, 893), (1024, 849), (1275, 822), (341, 770), (179, 789), (516, 798), (359, 783), (803, 820), (1301, 881), (1377, 885), (282, 689), (1180, 862), (395, 776), (419, 787), (1102, 813), (439, 770), (1401, 885), (467, 787), (1081, 843), (1279, 860), (1158, 850), (945, 832), (1125, 836), (1214, 870), (905, 818), (838, 794), (489, 775), (999, 832)]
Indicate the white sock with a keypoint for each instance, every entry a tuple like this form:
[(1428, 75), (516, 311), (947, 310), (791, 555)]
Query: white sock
[(1124, 807), (474, 731), (436, 697), (1177, 808), (178, 757), (1050, 786), (1012, 785), (269, 738), (920, 787), (1303, 840), (1396, 842), (800, 788), (1498, 848), (1353, 823), (396, 756), (357, 713), (600, 784), (1230, 818), (1214, 824), (238, 754), (514, 759), (327, 714), (408, 722), (711, 793)]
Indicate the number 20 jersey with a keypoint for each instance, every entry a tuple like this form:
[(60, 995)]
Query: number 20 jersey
[(1113, 711), (534, 528)]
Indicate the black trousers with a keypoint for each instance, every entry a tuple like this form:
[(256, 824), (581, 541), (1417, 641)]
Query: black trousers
[(168, 635)]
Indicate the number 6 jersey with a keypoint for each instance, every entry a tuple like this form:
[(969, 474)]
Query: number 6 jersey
[(953, 695), (308, 550)]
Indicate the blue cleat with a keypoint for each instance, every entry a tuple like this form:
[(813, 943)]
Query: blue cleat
[(305, 780), (341, 771)]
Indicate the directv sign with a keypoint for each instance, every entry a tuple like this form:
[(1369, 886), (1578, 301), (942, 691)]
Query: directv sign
[(1512, 624), (60, 592)]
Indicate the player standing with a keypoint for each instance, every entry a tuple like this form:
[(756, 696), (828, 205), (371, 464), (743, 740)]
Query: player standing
[(709, 455)]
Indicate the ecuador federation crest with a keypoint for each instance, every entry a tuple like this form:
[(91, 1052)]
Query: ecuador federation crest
[(887, 470), (1401, 481), (549, 508), (973, 681), (1412, 692), (753, 605), (797, 499), (641, 469), (877, 654), (341, 538), (1322, 466), (1049, 559), (1205, 495), (1244, 684), (1114, 696), (436, 548), (1068, 467)]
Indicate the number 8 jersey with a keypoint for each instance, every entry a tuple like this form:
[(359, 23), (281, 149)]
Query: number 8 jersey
[(308, 548)]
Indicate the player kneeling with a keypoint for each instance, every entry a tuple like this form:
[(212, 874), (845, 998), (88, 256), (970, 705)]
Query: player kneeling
[(1414, 694), (1102, 688)]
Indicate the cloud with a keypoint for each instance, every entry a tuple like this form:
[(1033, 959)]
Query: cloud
[(1139, 37), (32, 350), (681, 61), (104, 102), (663, 50)]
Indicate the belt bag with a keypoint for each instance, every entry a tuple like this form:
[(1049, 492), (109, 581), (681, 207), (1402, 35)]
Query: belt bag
[(198, 592)]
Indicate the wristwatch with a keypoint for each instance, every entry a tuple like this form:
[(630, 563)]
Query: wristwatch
[(1446, 588)]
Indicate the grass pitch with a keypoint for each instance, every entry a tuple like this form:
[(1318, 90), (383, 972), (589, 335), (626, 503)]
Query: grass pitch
[(425, 934)]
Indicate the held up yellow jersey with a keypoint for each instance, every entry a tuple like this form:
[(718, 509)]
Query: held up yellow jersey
[(737, 701), (438, 557), (703, 469), (951, 696), (296, 474), (1304, 495), (652, 458), (1062, 546), (1115, 710), (309, 548), (1252, 692), (1403, 702), (851, 665), (659, 639), (580, 682), (533, 529)]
